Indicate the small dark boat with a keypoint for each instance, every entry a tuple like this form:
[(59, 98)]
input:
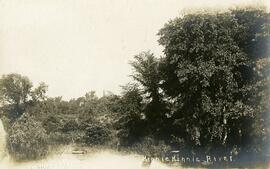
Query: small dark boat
[(78, 152)]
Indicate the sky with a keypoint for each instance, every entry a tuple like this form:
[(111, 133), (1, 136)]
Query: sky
[(76, 46)]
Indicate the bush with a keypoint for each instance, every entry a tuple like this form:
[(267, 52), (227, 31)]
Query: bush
[(96, 134), (27, 139)]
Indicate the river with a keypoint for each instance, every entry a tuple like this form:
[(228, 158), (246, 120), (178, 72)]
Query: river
[(99, 160)]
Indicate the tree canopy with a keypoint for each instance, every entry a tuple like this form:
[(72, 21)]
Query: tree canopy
[(210, 73)]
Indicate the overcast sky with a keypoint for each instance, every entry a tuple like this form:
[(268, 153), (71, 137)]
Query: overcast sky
[(76, 46)]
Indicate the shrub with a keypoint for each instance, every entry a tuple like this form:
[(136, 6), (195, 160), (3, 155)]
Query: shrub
[(96, 134), (27, 139)]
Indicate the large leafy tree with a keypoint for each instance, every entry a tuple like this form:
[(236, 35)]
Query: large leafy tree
[(146, 74), (16, 92), (15, 89), (209, 74)]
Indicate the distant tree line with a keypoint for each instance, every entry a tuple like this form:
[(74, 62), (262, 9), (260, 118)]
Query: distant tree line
[(209, 91)]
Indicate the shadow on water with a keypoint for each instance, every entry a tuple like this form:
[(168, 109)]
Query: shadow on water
[(101, 160), (68, 160)]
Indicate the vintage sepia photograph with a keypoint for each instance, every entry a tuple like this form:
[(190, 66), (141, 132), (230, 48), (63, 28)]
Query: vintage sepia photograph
[(134, 84)]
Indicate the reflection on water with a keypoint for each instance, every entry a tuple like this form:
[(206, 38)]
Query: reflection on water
[(101, 160), (104, 160)]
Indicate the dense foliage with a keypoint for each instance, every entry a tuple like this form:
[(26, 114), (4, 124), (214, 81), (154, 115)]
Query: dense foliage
[(27, 139), (210, 75), (209, 91), (96, 134)]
